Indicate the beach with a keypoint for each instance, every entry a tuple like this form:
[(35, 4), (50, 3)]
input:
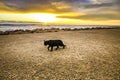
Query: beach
[(89, 55)]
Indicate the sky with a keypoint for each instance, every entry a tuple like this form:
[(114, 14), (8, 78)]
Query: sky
[(71, 12)]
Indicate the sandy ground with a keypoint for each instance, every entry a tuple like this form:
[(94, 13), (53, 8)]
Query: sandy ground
[(89, 55)]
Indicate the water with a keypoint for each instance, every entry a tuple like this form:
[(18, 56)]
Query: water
[(12, 28), (28, 27)]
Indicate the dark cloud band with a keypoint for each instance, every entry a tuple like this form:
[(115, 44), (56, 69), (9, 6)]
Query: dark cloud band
[(93, 16), (46, 5)]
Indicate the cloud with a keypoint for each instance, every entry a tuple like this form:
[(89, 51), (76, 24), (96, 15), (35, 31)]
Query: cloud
[(97, 5), (96, 10), (27, 5), (106, 15), (55, 6), (90, 7), (59, 6)]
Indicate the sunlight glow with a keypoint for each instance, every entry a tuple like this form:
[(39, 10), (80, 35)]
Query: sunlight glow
[(43, 17)]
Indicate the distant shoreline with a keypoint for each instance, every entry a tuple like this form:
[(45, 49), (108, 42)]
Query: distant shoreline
[(20, 31)]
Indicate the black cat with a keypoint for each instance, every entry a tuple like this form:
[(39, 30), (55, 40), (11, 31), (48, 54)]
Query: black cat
[(52, 43)]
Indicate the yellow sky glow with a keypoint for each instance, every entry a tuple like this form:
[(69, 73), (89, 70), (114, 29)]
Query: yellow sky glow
[(43, 17), (51, 18)]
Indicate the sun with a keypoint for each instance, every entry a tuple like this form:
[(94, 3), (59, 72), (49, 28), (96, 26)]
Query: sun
[(43, 17)]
